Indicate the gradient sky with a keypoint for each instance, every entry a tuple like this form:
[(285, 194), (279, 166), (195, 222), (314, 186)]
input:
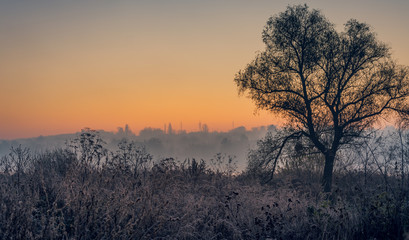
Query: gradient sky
[(65, 65)]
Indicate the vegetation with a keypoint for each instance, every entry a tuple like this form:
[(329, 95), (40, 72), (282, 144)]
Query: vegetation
[(330, 86), (87, 192)]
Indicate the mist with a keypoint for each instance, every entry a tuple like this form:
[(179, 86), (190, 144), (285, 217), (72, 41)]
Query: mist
[(162, 143)]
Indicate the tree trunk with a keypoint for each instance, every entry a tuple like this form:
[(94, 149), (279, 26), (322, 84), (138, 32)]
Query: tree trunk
[(328, 168)]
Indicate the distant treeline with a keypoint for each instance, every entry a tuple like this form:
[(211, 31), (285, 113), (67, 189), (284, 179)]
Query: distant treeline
[(162, 143)]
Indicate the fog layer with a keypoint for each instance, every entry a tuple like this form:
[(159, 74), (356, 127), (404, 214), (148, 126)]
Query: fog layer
[(162, 143)]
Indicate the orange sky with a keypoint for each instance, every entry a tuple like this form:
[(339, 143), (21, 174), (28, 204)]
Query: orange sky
[(104, 64)]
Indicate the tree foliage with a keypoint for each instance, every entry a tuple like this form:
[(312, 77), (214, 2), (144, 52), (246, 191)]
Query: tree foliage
[(330, 86)]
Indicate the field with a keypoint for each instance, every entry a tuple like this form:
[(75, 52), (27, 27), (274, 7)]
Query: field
[(85, 192)]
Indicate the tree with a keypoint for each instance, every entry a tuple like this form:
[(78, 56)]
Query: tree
[(329, 86)]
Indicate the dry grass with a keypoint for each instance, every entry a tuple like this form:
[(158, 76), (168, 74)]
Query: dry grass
[(58, 196)]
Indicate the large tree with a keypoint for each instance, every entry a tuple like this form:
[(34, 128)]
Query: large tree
[(329, 86)]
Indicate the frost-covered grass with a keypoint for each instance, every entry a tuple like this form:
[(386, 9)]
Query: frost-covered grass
[(63, 195)]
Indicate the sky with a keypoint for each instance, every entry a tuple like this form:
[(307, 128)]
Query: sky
[(66, 65)]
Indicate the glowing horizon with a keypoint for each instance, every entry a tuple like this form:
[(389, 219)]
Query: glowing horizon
[(100, 64)]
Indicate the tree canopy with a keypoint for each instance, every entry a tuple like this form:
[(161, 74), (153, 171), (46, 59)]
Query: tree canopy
[(329, 86)]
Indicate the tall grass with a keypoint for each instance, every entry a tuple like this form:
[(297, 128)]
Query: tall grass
[(63, 195)]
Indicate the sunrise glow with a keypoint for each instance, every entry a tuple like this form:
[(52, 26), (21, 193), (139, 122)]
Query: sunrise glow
[(104, 64)]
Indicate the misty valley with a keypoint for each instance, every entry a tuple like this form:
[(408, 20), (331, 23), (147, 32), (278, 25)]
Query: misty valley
[(161, 143)]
